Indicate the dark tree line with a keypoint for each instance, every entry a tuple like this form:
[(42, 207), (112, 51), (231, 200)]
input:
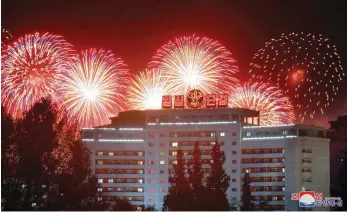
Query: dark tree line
[(188, 191), (45, 166)]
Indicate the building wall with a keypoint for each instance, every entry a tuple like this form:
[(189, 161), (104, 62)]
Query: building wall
[(276, 152)]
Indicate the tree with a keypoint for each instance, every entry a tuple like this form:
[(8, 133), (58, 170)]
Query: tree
[(123, 205), (53, 168), (218, 181), (149, 208), (246, 194), (179, 197), (196, 175)]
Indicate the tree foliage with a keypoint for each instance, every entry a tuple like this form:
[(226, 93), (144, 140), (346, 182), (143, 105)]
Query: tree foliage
[(51, 166), (218, 181), (246, 193), (123, 205), (179, 197)]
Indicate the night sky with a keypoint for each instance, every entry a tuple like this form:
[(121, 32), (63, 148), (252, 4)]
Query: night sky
[(134, 30)]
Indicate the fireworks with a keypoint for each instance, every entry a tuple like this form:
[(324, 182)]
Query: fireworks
[(5, 36), (306, 66), (274, 107), (195, 63), (146, 90), (93, 88), (30, 69)]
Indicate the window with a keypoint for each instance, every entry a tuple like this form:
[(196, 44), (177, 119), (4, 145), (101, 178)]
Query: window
[(150, 199), (248, 171), (110, 189), (233, 134), (284, 132), (162, 162), (119, 180), (140, 180), (150, 144), (274, 150), (257, 179), (266, 179), (248, 134), (273, 189), (140, 171), (257, 151), (151, 171), (274, 198), (233, 143), (100, 153), (151, 162), (283, 188), (150, 190), (162, 153), (110, 180), (150, 180), (161, 180), (140, 162), (257, 189), (274, 179), (174, 144), (213, 134), (234, 199), (99, 189), (139, 189), (161, 189), (129, 180), (100, 180), (174, 162), (257, 170), (266, 151), (129, 171), (234, 189), (110, 153), (234, 171), (265, 189), (266, 170), (257, 198), (174, 153), (265, 198), (212, 143), (283, 169), (234, 152), (233, 180), (162, 172), (100, 162), (162, 144), (140, 153), (222, 134), (234, 161)]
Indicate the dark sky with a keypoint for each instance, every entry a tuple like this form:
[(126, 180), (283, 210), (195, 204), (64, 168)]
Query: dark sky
[(134, 30)]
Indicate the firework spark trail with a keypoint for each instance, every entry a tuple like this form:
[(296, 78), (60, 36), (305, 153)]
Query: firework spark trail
[(146, 90), (5, 36), (31, 67), (195, 63), (306, 66), (93, 89), (274, 107)]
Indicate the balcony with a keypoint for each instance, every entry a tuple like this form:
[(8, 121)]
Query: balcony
[(277, 202), (267, 193), (269, 155), (266, 174), (306, 154), (267, 183), (278, 164)]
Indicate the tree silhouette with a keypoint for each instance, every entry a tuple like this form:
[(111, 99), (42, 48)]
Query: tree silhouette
[(246, 193), (218, 181), (179, 197)]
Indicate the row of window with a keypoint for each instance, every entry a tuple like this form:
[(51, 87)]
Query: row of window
[(119, 171), (270, 198), (198, 134), (266, 179), (263, 169), (262, 160), (262, 151), (121, 180), (120, 153), (114, 198), (266, 188), (270, 133), (122, 189)]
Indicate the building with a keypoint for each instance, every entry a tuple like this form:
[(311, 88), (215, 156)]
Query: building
[(338, 137), (133, 156)]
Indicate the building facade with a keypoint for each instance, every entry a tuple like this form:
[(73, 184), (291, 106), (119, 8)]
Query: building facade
[(133, 156)]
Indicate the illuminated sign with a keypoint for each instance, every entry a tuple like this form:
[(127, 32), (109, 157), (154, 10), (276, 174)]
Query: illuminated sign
[(166, 102), (195, 98), (223, 100), (179, 101), (211, 100)]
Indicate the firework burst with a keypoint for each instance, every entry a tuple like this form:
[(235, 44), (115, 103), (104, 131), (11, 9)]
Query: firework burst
[(274, 107), (305, 66), (195, 63), (31, 67), (5, 36), (93, 89), (146, 90)]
